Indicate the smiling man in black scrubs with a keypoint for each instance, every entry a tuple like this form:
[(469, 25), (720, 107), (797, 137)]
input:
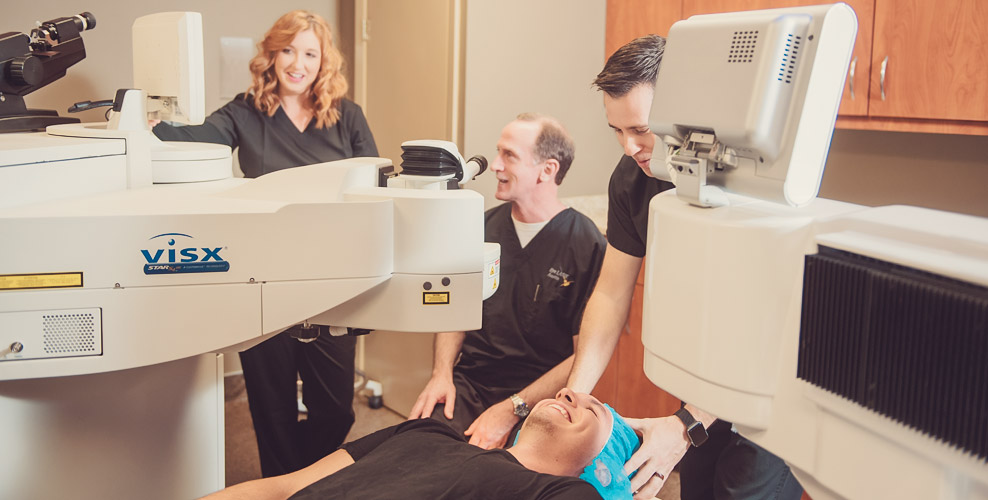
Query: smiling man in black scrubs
[(550, 258)]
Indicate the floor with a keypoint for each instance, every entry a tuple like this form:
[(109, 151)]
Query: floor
[(241, 448)]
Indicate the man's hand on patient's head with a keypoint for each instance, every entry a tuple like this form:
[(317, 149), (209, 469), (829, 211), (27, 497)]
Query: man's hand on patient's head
[(664, 443), (492, 427), (439, 390)]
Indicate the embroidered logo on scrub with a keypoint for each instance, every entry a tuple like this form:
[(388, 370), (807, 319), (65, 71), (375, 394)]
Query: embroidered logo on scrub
[(561, 277), (190, 259)]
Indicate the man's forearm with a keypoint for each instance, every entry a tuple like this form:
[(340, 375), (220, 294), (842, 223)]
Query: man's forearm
[(281, 487), (701, 416), (446, 347), (604, 318), (601, 328)]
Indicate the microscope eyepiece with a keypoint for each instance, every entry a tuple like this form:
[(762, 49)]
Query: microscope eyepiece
[(85, 21)]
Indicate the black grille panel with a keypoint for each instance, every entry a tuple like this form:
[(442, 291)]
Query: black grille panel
[(905, 343)]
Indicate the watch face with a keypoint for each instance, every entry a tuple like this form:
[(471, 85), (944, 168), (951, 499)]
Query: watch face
[(698, 435), (694, 429), (521, 410)]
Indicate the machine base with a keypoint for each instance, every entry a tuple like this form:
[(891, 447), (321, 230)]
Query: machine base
[(151, 432)]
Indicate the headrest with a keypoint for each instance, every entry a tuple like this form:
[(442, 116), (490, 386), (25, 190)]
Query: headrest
[(606, 471)]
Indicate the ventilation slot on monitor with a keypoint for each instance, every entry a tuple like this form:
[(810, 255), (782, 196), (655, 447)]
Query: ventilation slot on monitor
[(905, 343), (69, 333), (787, 68), (743, 46)]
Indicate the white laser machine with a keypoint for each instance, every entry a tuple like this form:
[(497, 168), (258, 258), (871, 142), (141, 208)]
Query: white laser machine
[(119, 286), (849, 341)]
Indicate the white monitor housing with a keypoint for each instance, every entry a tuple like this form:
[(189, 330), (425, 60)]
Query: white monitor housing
[(168, 85), (168, 65), (746, 101)]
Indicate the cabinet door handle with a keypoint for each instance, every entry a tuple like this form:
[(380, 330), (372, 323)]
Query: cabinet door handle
[(885, 64), (854, 65)]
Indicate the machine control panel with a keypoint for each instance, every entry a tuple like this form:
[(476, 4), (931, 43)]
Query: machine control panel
[(50, 334)]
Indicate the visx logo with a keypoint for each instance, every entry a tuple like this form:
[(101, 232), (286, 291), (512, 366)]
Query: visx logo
[(182, 259)]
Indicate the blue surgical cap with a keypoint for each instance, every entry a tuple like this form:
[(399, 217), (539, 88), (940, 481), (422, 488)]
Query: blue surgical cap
[(606, 472)]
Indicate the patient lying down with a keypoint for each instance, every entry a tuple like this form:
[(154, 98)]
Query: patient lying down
[(569, 447)]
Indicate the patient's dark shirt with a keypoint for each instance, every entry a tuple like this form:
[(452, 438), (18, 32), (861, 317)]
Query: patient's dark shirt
[(426, 460)]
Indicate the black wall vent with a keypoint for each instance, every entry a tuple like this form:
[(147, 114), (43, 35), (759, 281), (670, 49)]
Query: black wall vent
[(905, 343)]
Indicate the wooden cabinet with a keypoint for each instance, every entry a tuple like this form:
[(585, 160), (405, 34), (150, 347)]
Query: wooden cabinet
[(934, 54), (630, 19), (929, 67)]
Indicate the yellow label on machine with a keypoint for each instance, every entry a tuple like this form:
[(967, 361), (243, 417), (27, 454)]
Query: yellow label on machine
[(434, 298), (40, 280)]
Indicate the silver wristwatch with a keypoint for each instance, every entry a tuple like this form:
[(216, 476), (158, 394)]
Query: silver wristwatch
[(521, 409)]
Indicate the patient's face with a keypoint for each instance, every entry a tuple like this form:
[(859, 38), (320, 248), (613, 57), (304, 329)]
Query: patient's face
[(577, 422)]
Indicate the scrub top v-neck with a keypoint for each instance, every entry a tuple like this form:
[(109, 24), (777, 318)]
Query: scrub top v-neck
[(529, 323), (270, 143)]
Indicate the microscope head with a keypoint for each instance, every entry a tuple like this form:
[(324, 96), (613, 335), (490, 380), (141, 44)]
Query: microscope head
[(28, 63)]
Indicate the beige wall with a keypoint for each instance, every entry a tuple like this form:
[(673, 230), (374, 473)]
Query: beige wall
[(108, 67), (407, 84), (538, 56), (946, 172)]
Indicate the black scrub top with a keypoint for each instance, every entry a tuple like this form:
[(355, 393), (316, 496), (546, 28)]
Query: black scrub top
[(628, 195), (268, 143), (529, 323)]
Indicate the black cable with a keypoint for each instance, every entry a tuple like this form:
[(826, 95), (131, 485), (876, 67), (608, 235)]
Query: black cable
[(84, 105)]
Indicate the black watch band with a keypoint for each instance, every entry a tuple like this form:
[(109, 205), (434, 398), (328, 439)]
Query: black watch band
[(695, 430)]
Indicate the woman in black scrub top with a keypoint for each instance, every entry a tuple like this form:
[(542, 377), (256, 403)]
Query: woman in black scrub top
[(293, 114)]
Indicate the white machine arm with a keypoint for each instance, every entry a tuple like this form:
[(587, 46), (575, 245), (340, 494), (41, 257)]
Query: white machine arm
[(849, 341), (238, 258), (108, 298)]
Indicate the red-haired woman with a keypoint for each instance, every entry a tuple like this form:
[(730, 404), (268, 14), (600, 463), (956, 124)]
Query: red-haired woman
[(293, 114)]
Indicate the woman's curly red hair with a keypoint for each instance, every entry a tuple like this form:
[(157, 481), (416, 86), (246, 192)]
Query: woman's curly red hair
[(329, 86)]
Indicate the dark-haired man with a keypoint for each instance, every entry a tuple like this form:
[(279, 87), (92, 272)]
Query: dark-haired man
[(726, 465), (550, 258)]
